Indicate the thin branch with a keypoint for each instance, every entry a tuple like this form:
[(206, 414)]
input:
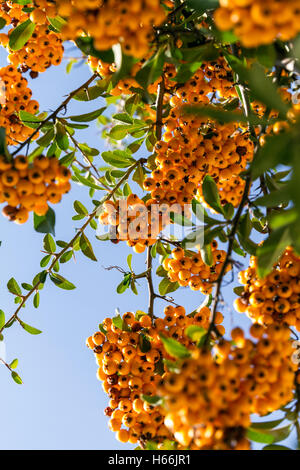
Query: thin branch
[(150, 284), (235, 225), (53, 115)]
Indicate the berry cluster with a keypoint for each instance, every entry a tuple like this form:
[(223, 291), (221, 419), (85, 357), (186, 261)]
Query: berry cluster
[(134, 220), (209, 398), (189, 269), (275, 299), (44, 48), (193, 147), (128, 22), (29, 187), (258, 22), (129, 353), (15, 96)]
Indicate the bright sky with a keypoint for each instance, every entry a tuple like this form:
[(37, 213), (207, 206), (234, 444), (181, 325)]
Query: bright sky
[(60, 405)]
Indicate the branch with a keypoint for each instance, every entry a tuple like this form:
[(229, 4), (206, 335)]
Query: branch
[(247, 110), (53, 115), (150, 284), (57, 256)]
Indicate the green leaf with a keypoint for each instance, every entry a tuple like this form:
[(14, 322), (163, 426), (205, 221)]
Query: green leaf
[(144, 343), (207, 255), (275, 447), (271, 250), (49, 243), (14, 287), (152, 400), (61, 282), (16, 378), (45, 223), (14, 364), (36, 300), (269, 436), (125, 284), (30, 329), (80, 209), (203, 5), (195, 332), (2, 319), (166, 286), (86, 247), (88, 117), (211, 194), (271, 154), (120, 323), (20, 35), (86, 45), (174, 348), (180, 219), (129, 261), (267, 424)]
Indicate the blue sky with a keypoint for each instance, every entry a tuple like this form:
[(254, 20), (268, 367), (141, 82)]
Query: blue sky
[(60, 405)]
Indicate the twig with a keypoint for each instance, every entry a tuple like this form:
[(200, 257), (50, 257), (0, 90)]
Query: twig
[(53, 115)]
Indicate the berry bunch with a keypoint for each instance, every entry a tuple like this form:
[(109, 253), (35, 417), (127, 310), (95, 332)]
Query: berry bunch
[(210, 397), (29, 187), (189, 269), (128, 22), (124, 86), (135, 221), (44, 48), (15, 96), (258, 22), (275, 299), (193, 147), (130, 354)]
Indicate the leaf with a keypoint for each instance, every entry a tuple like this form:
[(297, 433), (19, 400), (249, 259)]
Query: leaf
[(120, 323), (20, 35), (30, 329), (144, 343), (45, 223), (270, 251), (275, 447), (180, 219), (267, 424), (271, 154), (80, 209), (211, 194), (36, 300), (2, 319), (86, 247), (203, 5), (57, 23), (16, 378), (207, 255), (195, 332), (269, 436), (30, 120), (49, 244), (14, 287), (166, 286), (14, 364), (129, 261), (174, 348), (125, 284), (61, 282), (88, 117), (152, 400), (86, 45)]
